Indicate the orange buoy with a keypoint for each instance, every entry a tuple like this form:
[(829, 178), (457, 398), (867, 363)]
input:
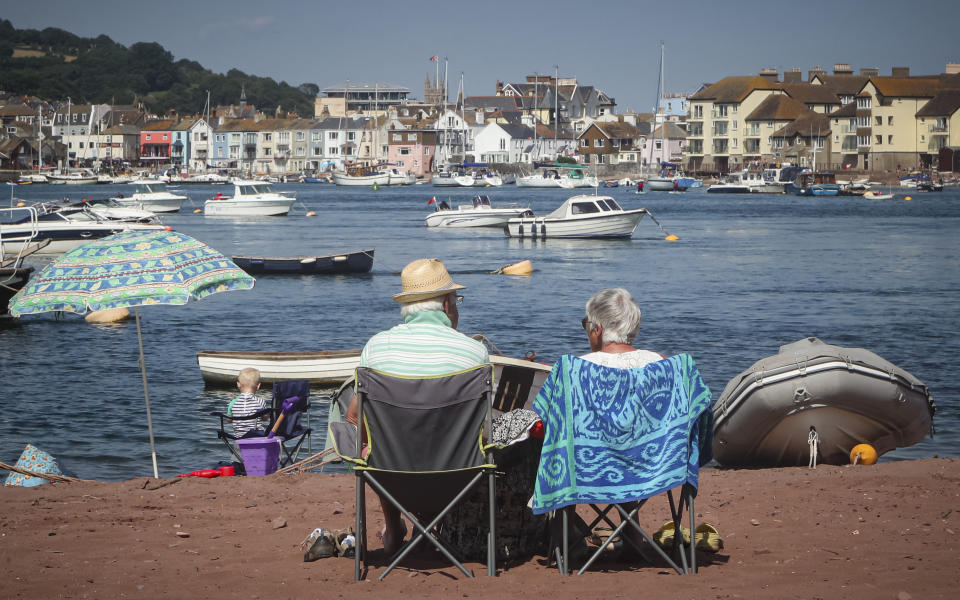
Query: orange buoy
[(863, 454), (524, 267), (908, 198)]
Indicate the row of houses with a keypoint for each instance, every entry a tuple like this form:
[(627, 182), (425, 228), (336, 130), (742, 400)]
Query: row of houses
[(840, 120)]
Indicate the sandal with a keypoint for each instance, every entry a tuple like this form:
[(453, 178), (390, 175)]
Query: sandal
[(708, 538), (346, 542), (664, 537), (319, 544)]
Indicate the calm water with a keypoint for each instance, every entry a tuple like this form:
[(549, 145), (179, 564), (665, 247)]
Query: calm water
[(749, 274)]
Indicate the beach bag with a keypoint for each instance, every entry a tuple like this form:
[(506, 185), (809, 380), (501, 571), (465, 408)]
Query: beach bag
[(33, 459)]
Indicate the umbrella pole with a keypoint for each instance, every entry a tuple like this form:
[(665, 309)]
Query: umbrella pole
[(146, 393)]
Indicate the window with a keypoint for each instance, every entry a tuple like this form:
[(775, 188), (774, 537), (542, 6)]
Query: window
[(397, 137), (889, 139), (778, 143), (267, 151), (598, 143), (411, 137), (316, 151), (770, 124), (582, 208), (81, 144), (923, 138), (734, 124), (735, 142), (300, 136), (820, 141), (721, 110), (584, 143), (600, 158), (351, 136), (332, 135), (503, 144), (735, 108), (863, 140), (698, 111), (836, 139), (300, 150), (657, 145), (864, 102), (148, 137), (404, 151), (267, 137), (878, 120)]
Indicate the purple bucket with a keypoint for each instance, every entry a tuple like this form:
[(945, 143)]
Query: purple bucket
[(260, 455)]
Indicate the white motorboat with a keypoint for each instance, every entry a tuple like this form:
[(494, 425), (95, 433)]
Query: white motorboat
[(872, 195), (250, 199), (445, 179), (581, 216), (744, 182), (361, 178), (153, 197), (33, 178), (478, 214), (398, 177), (81, 177), (65, 230), (767, 415), (107, 209), (548, 178), (776, 179)]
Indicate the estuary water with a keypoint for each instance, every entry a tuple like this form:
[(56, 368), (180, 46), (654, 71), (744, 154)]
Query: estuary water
[(748, 274)]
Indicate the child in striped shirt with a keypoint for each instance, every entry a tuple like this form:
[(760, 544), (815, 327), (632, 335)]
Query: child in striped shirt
[(246, 404)]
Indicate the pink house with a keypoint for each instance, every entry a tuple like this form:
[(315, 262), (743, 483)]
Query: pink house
[(412, 150), (155, 141)]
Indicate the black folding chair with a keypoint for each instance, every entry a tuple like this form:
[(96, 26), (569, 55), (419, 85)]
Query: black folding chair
[(425, 451), (291, 428)]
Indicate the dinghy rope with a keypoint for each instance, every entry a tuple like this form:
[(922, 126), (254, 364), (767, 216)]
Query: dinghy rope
[(654, 219)]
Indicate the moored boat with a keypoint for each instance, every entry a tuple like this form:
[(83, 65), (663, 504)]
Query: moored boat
[(848, 396), (153, 197), (220, 367), (250, 199), (582, 216), (360, 261), (478, 214)]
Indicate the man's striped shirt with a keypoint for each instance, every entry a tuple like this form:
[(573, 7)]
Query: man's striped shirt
[(424, 345)]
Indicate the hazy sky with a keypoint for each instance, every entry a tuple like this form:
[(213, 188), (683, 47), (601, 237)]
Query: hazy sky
[(613, 45)]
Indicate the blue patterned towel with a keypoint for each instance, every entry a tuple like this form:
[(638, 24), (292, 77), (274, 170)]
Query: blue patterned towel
[(616, 435)]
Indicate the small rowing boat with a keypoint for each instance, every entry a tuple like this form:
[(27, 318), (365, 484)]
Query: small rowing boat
[(360, 261), (323, 367)]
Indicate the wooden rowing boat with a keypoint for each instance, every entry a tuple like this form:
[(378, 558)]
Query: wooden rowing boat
[(360, 261), (330, 367)]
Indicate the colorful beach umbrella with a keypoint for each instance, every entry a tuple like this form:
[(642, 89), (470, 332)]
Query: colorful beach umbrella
[(131, 269)]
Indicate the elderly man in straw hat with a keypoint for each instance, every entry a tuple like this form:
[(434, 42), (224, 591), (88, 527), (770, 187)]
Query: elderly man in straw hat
[(426, 343)]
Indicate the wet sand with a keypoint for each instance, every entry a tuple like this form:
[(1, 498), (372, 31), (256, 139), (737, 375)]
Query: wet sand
[(882, 531)]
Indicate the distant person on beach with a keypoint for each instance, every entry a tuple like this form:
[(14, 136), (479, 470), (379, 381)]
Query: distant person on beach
[(425, 344), (246, 404)]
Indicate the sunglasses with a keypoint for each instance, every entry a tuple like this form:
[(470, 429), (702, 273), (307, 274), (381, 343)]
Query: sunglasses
[(459, 300), (585, 323)]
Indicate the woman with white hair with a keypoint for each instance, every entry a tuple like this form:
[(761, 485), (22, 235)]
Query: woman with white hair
[(612, 322)]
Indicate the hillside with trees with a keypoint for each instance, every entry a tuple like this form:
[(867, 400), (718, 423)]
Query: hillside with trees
[(55, 64)]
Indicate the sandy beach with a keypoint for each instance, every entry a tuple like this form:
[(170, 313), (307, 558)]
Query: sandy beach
[(882, 531)]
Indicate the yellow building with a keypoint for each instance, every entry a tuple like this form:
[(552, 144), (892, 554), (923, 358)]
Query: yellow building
[(890, 135)]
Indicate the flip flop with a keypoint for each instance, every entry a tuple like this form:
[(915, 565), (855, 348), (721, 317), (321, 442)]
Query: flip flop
[(664, 536), (708, 538), (346, 542), (320, 544)]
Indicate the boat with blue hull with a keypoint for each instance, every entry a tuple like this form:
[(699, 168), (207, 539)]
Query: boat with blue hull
[(814, 184)]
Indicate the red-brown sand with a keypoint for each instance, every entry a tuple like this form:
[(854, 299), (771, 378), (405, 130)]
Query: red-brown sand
[(882, 531)]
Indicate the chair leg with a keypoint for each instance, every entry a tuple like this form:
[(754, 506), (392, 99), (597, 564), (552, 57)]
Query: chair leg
[(359, 552), (492, 535)]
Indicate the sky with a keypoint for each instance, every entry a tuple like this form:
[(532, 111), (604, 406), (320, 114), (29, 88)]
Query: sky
[(613, 45)]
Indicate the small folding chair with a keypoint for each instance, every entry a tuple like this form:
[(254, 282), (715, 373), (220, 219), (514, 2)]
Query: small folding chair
[(615, 438), (290, 428), (425, 451)]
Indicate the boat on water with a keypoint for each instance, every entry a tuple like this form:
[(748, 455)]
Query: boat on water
[(151, 196), (360, 261), (323, 367), (775, 179), (361, 176), (480, 213), (398, 177), (81, 177), (874, 195), (57, 231), (107, 208), (250, 199), (814, 184), (29, 178), (742, 182), (558, 175), (581, 216), (669, 180), (849, 396)]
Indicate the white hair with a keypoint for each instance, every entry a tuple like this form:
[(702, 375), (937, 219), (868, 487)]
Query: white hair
[(411, 308), (615, 311)]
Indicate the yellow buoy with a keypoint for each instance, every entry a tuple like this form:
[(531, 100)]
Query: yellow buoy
[(310, 213), (21, 203), (908, 198), (197, 210), (671, 238), (521, 268), (863, 454)]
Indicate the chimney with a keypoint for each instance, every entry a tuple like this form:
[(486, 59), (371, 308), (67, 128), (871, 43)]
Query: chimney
[(900, 72), (817, 70), (870, 72), (842, 69), (479, 115), (769, 74), (499, 88), (794, 75)]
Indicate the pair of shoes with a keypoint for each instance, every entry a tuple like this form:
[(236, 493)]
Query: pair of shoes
[(346, 542), (664, 537), (708, 538), (320, 543)]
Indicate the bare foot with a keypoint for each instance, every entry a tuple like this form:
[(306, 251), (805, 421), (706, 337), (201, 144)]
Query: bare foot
[(393, 540)]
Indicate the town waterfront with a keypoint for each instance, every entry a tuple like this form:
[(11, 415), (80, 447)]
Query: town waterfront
[(749, 274)]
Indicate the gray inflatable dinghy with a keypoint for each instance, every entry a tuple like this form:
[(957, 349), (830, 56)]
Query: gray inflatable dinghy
[(848, 395)]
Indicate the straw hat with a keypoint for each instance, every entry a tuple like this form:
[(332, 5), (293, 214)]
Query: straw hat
[(423, 279)]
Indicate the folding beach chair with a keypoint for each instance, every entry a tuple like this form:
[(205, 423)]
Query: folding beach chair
[(425, 451), (616, 438), (291, 429)]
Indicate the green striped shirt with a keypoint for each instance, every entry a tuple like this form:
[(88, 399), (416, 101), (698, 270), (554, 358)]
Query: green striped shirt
[(424, 345)]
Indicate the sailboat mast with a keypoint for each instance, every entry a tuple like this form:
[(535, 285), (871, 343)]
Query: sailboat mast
[(40, 142), (556, 105), (536, 97), (463, 119)]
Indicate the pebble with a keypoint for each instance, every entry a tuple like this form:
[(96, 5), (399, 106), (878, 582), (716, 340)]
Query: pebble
[(183, 534), (278, 523), (904, 596), (754, 522)]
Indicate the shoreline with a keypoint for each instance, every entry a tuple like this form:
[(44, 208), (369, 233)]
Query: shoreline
[(881, 531)]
